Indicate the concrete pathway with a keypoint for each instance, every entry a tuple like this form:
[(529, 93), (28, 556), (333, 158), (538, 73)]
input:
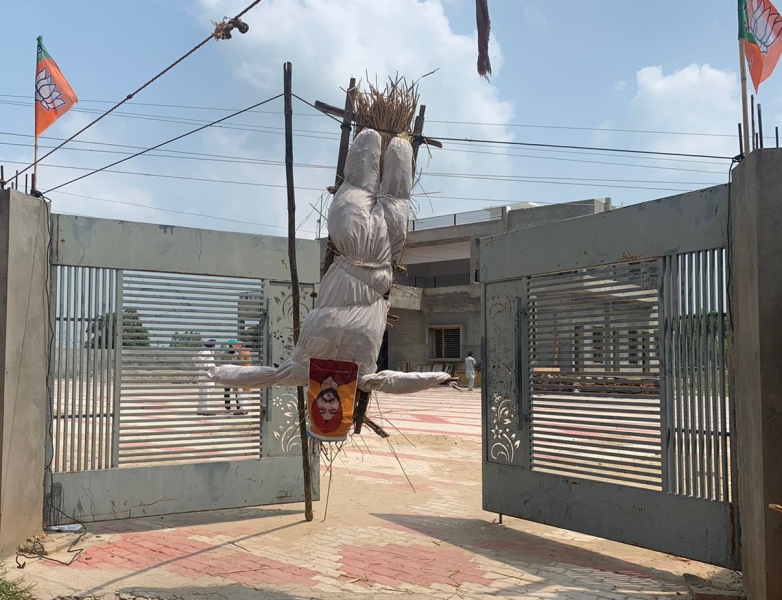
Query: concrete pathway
[(380, 538)]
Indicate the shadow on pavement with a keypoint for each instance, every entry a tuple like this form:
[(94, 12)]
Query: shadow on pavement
[(209, 517), (536, 554), (206, 592), (229, 592)]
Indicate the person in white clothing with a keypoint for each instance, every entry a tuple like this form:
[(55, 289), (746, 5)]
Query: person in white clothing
[(204, 361), (469, 367)]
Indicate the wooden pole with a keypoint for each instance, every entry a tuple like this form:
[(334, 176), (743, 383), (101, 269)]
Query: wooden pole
[(776, 131), (744, 106), (35, 165), (344, 140), (418, 129), (305, 453), (741, 140), (344, 144)]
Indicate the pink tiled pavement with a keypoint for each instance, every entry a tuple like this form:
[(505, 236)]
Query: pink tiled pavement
[(380, 538)]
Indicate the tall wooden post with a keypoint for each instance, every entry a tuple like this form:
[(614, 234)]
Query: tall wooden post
[(305, 454), (344, 144)]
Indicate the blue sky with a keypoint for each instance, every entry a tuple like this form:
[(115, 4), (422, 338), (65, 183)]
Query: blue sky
[(572, 72)]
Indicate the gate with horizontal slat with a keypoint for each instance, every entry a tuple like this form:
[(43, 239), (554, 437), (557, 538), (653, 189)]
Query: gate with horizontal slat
[(606, 407), (134, 429)]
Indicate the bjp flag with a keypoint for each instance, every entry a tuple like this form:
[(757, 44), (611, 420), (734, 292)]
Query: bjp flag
[(760, 28), (331, 396), (53, 96)]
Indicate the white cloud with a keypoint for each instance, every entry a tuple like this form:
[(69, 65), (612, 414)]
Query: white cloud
[(535, 18), (619, 85), (698, 98), (328, 42)]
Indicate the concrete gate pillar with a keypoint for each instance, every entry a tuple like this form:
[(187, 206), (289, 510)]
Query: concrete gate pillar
[(756, 296), (24, 341)]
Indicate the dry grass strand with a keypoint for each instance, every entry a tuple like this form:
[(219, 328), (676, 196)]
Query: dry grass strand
[(389, 111)]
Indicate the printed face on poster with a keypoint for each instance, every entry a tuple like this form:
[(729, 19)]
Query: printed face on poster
[(331, 396)]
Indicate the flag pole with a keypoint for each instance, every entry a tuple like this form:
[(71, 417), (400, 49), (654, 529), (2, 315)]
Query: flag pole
[(39, 43), (34, 186), (744, 105)]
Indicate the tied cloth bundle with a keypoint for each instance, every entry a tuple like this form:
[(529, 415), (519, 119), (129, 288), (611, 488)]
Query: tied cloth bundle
[(368, 221)]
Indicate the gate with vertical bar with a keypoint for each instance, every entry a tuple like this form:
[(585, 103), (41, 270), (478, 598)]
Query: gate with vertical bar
[(136, 428), (606, 406)]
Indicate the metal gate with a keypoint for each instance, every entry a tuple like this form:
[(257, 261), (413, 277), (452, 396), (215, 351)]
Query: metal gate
[(605, 398), (136, 428)]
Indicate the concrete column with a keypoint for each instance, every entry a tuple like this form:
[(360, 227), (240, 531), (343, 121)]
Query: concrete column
[(24, 338), (756, 295)]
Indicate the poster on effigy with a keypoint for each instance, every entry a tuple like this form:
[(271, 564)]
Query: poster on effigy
[(331, 396)]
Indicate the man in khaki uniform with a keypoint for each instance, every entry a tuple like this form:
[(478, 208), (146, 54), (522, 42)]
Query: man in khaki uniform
[(240, 356)]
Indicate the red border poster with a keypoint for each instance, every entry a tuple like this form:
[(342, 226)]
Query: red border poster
[(331, 397)]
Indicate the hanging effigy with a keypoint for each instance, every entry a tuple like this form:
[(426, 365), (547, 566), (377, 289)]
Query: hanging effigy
[(367, 221)]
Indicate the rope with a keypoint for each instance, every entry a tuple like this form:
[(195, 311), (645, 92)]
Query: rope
[(161, 144), (221, 29)]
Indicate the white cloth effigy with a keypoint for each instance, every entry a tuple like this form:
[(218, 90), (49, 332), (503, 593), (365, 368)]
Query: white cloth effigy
[(367, 222)]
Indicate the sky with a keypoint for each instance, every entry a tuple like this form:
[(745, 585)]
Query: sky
[(660, 76)]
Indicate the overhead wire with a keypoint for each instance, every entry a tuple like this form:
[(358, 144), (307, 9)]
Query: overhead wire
[(168, 176), (180, 212), (333, 135), (240, 159), (169, 141), (548, 181), (130, 96), (539, 145), (193, 121), (438, 121), (574, 147), (459, 141)]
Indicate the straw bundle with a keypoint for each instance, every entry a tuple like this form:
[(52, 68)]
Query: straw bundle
[(390, 111), (484, 31)]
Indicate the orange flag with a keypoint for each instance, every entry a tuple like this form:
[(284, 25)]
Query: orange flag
[(53, 96), (760, 26)]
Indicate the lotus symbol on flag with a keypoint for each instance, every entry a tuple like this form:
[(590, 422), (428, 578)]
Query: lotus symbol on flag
[(46, 92), (765, 24)]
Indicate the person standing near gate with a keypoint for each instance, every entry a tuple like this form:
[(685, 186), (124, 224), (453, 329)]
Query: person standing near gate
[(240, 356), (469, 368), (204, 361)]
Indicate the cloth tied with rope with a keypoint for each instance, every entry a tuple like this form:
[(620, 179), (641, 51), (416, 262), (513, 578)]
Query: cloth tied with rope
[(368, 222)]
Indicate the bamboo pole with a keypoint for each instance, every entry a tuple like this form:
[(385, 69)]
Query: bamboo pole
[(741, 140), (35, 165), (344, 144), (305, 454), (744, 105)]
